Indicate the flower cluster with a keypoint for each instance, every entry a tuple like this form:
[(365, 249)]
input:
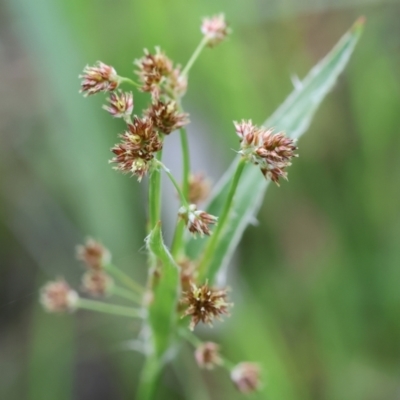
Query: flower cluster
[(99, 78), (271, 152), (204, 304), (197, 221), (58, 297), (215, 29), (137, 148), (158, 75)]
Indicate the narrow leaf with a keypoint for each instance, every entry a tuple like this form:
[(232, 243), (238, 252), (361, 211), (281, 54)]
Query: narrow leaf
[(294, 117)]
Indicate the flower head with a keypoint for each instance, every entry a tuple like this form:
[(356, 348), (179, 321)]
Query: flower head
[(159, 75), (199, 188), (136, 151), (97, 283), (121, 104), (58, 297), (271, 152), (215, 29), (100, 78), (166, 116), (93, 254), (246, 377), (197, 221), (204, 304), (207, 355)]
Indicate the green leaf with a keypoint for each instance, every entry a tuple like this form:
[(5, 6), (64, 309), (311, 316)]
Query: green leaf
[(162, 311), (294, 117)]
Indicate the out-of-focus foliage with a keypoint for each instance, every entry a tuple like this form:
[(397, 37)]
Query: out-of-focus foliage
[(315, 283)]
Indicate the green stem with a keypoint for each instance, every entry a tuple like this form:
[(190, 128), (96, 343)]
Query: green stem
[(125, 294), (122, 79), (195, 55), (123, 278), (175, 183), (185, 162), (222, 220), (149, 378), (99, 306), (177, 241), (155, 194)]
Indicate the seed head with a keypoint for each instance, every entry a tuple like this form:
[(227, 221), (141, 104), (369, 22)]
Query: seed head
[(136, 151), (271, 152), (99, 78), (207, 355), (58, 297), (215, 29), (166, 116), (197, 221), (199, 188), (93, 254), (159, 76), (97, 283), (246, 377), (204, 304), (121, 104)]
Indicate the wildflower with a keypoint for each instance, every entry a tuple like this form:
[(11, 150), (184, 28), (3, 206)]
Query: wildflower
[(215, 29), (100, 78), (199, 188), (136, 151), (93, 254), (58, 297), (197, 221), (272, 152), (205, 304), (207, 355), (153, 69), (97, 283), (166, 116), (246, 377), (121, 105)]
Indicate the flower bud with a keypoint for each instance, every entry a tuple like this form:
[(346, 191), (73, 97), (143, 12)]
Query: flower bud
[(207, 355), (58, 297), (246, 377), (97, 283), (215, 29), (93, 254)]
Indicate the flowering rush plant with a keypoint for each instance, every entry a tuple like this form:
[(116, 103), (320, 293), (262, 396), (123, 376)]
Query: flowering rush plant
[(182, 291)]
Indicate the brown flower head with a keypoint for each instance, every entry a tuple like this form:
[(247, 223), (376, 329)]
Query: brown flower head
[(246, 377), (58, 297), (215, 29), (159, 76), (207, 355), (199, 188), (97, 283), (166, 116), (93, 254), (204, 304), (121, 104), (153, 69), (136, 151), (100, 78), (271, 152), (197, 221)]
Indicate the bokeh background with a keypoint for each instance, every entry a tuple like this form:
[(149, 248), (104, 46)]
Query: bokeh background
[(316, 283)]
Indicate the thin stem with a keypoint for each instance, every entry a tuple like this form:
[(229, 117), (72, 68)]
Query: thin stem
[(175, 183), (108, 308), (185, 162), (122, 79), (223, 218), (190, 337), (155, 194), (178, 238), (195, 55), (125, 294), (124, 278)]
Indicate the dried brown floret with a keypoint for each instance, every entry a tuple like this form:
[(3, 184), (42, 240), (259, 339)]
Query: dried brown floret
[(199, 188), (121, 104), (93, 254), (97, 283), (205, 304), (166, 116), (99, 78), (271, 152), (197, 221), (207, 355)]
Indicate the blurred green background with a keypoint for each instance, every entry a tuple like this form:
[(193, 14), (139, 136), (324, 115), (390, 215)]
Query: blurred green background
[(316, 283)]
